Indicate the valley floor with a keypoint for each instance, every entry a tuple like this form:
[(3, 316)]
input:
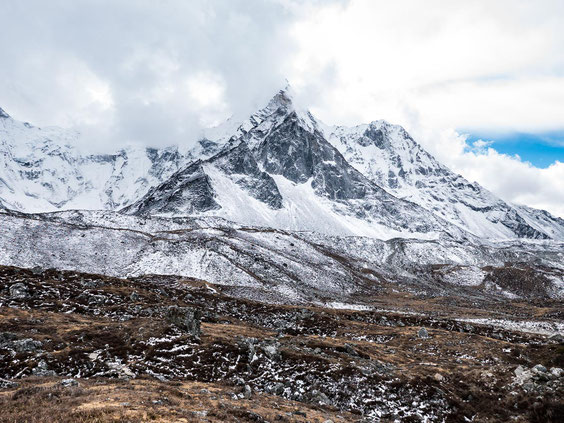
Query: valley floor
[(90, 348)]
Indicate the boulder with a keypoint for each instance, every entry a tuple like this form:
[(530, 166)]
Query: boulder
[(18, 291), (247, 392), (26, 345), (557, 372), (42, 369), (539, 368), (186, 318), (37, 270), (557, 337), (69, 382), (422, 333), (8, 384)]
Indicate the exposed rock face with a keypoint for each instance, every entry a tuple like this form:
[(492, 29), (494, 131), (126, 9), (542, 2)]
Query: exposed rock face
[(240, 164), (281, 158), (191, 190), (41, 169), (188, 191), (300, 155)]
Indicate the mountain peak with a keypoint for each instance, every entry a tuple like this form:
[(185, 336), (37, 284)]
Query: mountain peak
[(283, 99), (3, 114)]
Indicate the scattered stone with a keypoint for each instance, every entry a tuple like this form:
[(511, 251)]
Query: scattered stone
[(557, 337), (123, 372), (69, 382), (557, 372), (186, 318), (519, 370), (43, 370), (7, 339), (95, 299), (8, 384), (202, 413), (37, 270), (320, 398), (247, 392), (278, 388), (90, 283), (271, 350), (423, 333), (438, 377), (134, 296), (27, 345), (349, 349), (18, 291), (539, 368)]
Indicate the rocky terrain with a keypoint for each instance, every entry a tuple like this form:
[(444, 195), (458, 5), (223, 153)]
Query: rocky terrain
[(83, 347)]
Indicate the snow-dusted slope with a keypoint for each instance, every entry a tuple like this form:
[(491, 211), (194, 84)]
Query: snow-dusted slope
[(391, 158), (280, 265), (42, 170)]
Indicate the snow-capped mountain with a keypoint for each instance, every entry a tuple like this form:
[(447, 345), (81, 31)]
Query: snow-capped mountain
[(279, 171), (388, 155), (280, 168), (42, 170)]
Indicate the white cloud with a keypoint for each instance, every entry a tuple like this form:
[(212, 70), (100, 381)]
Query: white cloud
[(435, 66), (459, 64), (156, 72)]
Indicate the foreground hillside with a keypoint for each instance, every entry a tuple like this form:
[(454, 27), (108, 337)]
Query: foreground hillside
[(279, 266), (82, 347)]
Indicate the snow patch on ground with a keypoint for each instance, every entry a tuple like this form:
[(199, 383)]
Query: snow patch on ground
[(537, 327)]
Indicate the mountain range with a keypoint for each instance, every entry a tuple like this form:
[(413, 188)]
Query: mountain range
[(280, 168)]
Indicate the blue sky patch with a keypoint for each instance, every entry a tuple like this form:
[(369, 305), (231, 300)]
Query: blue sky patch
[(541, 149)]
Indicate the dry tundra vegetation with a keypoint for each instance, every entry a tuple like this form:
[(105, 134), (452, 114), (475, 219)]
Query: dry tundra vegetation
[(89, 348)]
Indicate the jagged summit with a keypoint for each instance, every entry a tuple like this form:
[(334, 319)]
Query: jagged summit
[(3, 114), (282, 99)]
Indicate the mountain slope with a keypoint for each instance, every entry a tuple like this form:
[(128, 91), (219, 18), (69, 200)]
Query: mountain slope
[(41, 169), (277, 265), (391, 158)]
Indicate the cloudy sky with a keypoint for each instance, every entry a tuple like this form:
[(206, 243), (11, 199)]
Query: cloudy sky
[(480, 84)]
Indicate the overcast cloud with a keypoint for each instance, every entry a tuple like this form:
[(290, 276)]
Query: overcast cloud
[(156, 72)]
